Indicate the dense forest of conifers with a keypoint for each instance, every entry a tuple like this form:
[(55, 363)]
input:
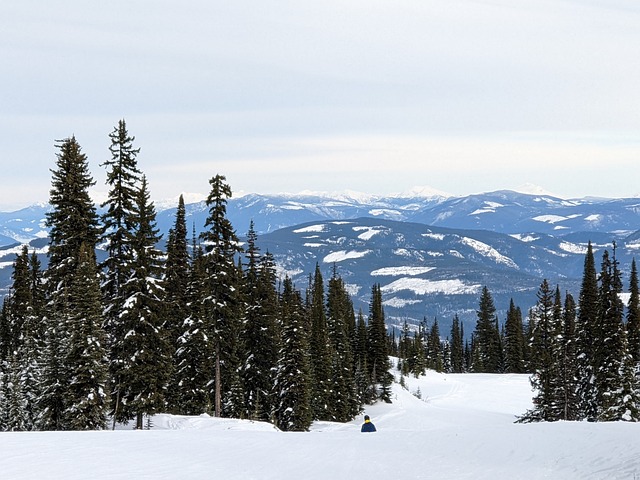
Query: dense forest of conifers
[(205, 326)]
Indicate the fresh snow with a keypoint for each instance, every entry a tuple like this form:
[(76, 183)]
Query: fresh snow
[(342, 255), (311, 228), (421, 286), (405, 270), (462, 428), (488, 251), (368, 232)]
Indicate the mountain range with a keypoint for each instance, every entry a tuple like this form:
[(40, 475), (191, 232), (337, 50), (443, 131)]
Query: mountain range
[(430, 254)]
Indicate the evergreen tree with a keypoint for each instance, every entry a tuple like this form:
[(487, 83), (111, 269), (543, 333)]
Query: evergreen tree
[(586, 336), (544, 380), (119, 219), (73, 223), (142, 367), (486, 352), (617, 386), (457, 347), (377, 355), (633, 315), (87, 399), (434, 348), (321, 355), (568, 363), (176, 308), (194, 354), (514, 341), (261, 332), (293, 379), (221, 304), (340, 316)]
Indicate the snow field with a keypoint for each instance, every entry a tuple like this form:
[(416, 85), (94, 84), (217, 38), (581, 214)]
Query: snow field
[(462, 428)]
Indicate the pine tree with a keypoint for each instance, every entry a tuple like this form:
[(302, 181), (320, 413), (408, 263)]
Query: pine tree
[(87, 394), (320, 351), (176, 309), (340, 316), (261, 333), (73, 222), (293, 410), (568, 363), (378, 356), (514, 340), (221, 245), (586, 336), (457, 347), (195, 351), (617, 386), (434, 348), (119, 219), (142, 367), (633, 315), (486, 352)]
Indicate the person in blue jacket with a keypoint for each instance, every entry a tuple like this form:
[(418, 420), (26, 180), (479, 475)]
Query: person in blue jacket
[(367, 426)]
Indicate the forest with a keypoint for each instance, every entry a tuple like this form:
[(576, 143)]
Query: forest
[(205, 326)]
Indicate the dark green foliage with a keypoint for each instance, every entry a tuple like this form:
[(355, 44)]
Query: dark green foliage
[(486, 352), (633, 315), (222, 305), (340, 323), (141, 365), (434, 349), (293, 379), (194, 353), (175, 302), (261, 332), (86, 396), (457, 347), (320, 351), (586, 337), (119, 219), (514, 341), (73, 224), (616, 384), (377, 355)]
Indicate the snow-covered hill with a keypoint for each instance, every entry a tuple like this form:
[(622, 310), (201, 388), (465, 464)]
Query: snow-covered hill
[(462, 427)]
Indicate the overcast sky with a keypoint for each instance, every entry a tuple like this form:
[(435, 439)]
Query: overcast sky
[(376, 96)]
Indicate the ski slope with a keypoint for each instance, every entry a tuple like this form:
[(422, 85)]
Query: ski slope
[(462, 427)]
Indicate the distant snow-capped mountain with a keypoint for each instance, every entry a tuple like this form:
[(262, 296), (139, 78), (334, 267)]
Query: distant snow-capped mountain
[(430, 252)]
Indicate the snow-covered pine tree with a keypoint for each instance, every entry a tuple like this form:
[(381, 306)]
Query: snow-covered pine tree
[(340, 322), (293, 410), (73, 222), (261, 332), (568, 363), (616, 383), (319, 348), (194, 353), (633, 316), (378, 352), (142, 355), (176, 308), (545, 330), (586, 336), (222, 301), (87, 392)]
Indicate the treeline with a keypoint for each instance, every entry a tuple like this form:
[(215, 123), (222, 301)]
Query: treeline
[(584, 357), (203, 327)]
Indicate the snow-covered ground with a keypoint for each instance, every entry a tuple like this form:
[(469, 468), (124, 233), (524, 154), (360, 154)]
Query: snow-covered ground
[(462, 428)]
